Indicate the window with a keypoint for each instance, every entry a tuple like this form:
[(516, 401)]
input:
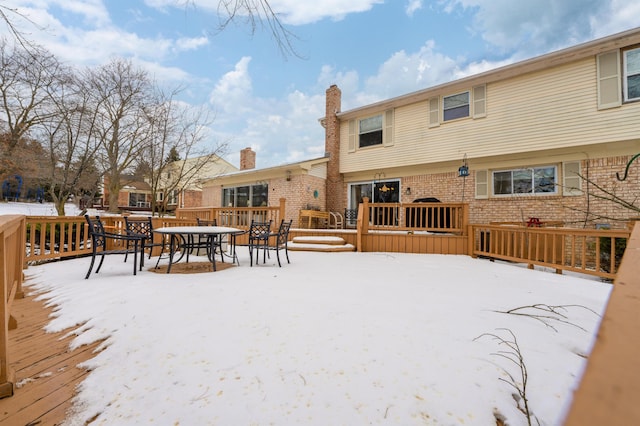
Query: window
[(377, 192), (455, 106), (631, 81), (159, 196), (534, 181), (172, 197), (137, 199), (246, 196), (370, 131)]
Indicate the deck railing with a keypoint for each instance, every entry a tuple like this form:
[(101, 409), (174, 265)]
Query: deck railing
[(235, 217), (429, 217), (588, 251), (12, 236), (608, 392)]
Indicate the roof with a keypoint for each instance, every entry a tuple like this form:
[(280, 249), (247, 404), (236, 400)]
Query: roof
[(274, 171)]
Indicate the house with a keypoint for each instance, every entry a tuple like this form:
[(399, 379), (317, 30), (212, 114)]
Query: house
[(179, 185), (515, 142), (539, 140), (303, 184)]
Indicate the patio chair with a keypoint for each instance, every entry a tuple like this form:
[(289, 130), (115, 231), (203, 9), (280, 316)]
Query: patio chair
[(204, 241), (280, 240), (259, 233), (142, 226), (104, 243), (336, 220), (350, 218)]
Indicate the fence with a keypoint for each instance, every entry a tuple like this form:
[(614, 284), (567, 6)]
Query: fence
[(12, 237)]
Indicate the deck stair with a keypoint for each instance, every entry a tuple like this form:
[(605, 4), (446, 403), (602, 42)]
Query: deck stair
[(319, 243)]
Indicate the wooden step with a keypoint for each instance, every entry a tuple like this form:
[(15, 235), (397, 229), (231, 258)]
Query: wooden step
[(320, 247), (334, 241)]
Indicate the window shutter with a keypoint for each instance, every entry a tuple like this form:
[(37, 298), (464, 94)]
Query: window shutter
[(352, 135), (434, 112), (608, 75), (387, 137), (571, 180), (480, 101), (482, 184)]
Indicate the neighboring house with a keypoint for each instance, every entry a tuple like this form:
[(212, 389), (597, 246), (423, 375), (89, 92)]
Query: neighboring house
[(514, 143), (181, 184), (134, 195)]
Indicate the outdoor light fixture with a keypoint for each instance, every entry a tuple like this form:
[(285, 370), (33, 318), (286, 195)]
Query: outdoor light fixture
[(463, 171), (407, 191), (288, 175)]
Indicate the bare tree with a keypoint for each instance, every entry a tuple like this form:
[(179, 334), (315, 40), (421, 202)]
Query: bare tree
[(7, 16), (27, 77), (119, 94), (70, 138), (607, 200), (177, 130), (255, 14)]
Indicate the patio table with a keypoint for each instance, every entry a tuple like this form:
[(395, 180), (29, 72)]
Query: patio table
[(182, 239)]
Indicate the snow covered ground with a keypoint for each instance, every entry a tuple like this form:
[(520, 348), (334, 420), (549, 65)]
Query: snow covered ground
[(330, 339)]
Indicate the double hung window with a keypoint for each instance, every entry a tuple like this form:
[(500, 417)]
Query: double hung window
[(370, 131), (631, 81), (455, 106)]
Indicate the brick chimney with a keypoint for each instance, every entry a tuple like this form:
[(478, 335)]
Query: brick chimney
[(247, 159), (335, 182)]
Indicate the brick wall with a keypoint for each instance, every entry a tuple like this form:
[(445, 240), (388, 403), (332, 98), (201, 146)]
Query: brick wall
[(584, 210), (190, 199), (123, 198), (300, 193)]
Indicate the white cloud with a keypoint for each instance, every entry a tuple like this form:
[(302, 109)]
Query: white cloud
[(413, 6), (191, 43), (533, 27), (232, 93), (406, 72)]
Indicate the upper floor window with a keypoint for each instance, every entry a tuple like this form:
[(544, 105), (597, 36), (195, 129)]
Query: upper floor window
[(370, 131), (455, 106), (631, 69), (536, 180)]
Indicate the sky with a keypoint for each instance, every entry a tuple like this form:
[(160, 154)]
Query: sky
[(372, 49), (331, 338)]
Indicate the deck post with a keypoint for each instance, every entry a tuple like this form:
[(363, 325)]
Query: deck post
[(281, 213)]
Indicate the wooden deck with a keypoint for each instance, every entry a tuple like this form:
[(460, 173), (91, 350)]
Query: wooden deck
[(45, 369)]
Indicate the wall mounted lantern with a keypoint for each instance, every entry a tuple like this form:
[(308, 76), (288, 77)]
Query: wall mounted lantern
[(288, 175), (463, 171), (407, 191)]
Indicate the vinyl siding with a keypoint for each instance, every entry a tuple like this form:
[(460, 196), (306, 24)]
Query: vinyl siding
[(550, 109)]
